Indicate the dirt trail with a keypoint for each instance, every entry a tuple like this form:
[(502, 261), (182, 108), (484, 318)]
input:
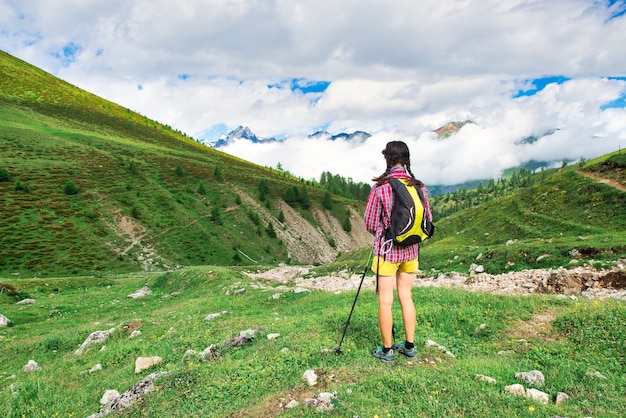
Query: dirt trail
[(579, 281), (604, 180)]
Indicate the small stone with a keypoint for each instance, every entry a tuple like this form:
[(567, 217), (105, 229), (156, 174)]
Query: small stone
[(595, 375), (26, 302), (273, 336), (143, 363), (109, 396), (209, 353), (276, 296), (284, 350), (144, 291), (4, 321), (292, 404), (134, 334), (538, 395), (310, 377), (561, 397), (516, 389), (96, 337), (533, 378), (31, 366), (189, 353), (95, 368), (480, 328), (214, 315), (486, 379)]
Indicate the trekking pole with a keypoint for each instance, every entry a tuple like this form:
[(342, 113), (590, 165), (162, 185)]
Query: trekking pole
[(338, 349)]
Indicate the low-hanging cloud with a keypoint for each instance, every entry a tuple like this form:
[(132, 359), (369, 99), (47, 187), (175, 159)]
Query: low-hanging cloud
[(396, 69)]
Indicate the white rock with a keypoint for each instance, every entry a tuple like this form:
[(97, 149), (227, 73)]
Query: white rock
[(31, 366), (135, 333), (26, 302), (96, 337), (431, 343), (209, 353), (516, 389), (144, 291), (189, 353), (300, 290), (143, 363), (292, 404), (214, 315), (276, 296), (561, 397), (595, 375), (325, 403), (480, 328), (108, 396), (273, 336), (95, 368), (4, 321), (533, 378), (310, 377), (538, 395), (284, 350), (486, 379)]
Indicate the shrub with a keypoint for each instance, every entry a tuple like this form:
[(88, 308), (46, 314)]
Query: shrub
[(218, 174), (70, 188), (270, 230), (216, 216), (201, 188), (4, 174), (20, 186), (178, 170)]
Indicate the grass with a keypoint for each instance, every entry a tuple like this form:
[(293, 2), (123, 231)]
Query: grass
[(257, 378)]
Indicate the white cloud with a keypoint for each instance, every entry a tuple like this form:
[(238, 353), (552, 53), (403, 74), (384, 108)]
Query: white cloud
[(397, 69)]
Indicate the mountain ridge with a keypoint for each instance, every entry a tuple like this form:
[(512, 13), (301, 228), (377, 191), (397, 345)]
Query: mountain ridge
[(92, 187)]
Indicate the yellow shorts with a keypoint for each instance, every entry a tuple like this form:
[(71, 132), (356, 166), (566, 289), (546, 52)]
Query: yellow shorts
[(386, 268)]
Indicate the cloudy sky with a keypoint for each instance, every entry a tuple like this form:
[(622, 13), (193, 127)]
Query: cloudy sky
[(397, 69)]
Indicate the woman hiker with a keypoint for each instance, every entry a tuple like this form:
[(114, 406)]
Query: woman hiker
[(392, 261)]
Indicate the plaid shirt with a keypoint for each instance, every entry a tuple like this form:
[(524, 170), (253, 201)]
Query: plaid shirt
[(378, 218)]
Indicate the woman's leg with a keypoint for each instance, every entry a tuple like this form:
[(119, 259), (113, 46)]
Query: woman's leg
[(405, 284), (385, 301)]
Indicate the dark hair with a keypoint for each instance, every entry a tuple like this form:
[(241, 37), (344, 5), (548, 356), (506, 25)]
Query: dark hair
[(397, 152)]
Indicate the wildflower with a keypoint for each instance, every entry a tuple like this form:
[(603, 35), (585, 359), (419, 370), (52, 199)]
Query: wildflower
[(531, 408)]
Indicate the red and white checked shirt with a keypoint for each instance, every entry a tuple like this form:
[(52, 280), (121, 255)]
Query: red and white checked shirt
[(378, 218)]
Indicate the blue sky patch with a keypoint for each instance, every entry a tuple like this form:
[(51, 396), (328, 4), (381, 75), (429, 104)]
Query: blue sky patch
[(539, 84), (215, 131), (68, 53), (139, 87), (303, 85), (619, 8), (618, 103), (184, 77)]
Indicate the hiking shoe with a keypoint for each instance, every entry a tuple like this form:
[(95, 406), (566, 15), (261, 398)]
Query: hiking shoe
[(410, 354), (387, 357)]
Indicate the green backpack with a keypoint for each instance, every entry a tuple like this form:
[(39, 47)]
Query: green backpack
[(409, 220)]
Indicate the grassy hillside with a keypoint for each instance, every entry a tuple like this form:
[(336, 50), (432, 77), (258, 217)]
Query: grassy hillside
[(567, 216), (567, 340), (88, 186)]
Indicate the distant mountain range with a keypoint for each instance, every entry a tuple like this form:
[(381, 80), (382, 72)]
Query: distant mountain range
[(244, 133)]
